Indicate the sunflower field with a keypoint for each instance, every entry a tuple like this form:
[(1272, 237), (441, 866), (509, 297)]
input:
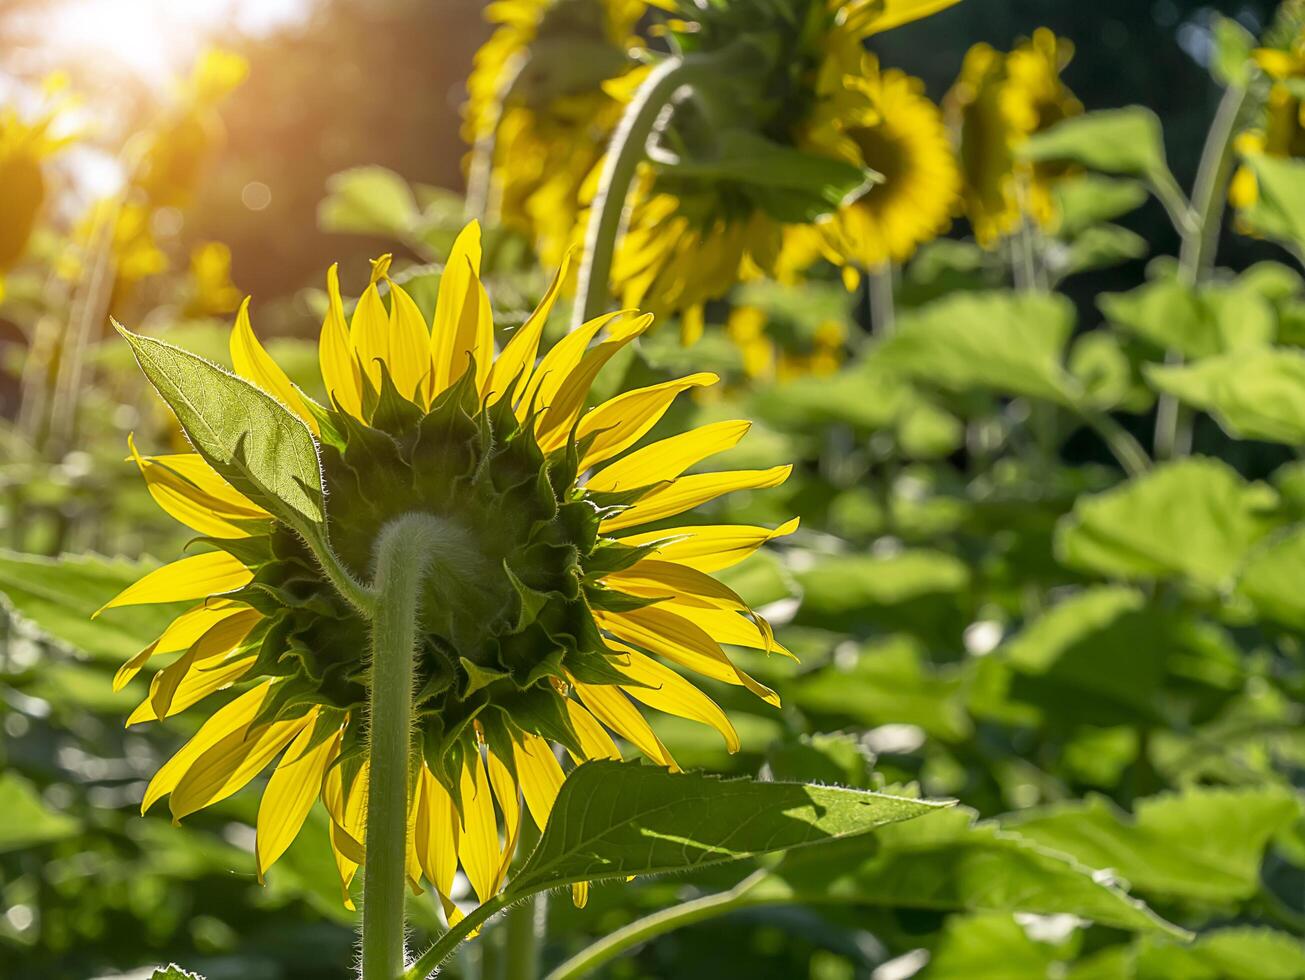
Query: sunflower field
[(646, 489)]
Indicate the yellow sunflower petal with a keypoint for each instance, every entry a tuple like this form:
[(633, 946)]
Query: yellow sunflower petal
[(621, 421), (339, 366), (610, 706), (197, 685), (709, 548), (463, 325), (369, 335), (554, 425), (192, 468), (580, 894), (478, 842), (668, 458), (540, 774), (595, 743), (252, 363), (688, 492), (181, 499), (348, 820), (294, 785), (409, 361), (509, 803), (512, 367), (555, 366), (232, 717), (218, 641), (665, 690), (209, 574), (181, 633), (726, 626), (232, 762), (682, 642), (437, 834)]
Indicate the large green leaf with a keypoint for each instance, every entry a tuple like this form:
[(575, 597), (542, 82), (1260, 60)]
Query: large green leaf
[(989, 944), (368, 201), (1254, 394), (1195, 518), (1107, 650), (1273, 575), (945, 860), (58, 595), (614, 819), (1084, 200), (1236, 953), (174, 972), (25, 819), (1279, 209), (1194, 322), (1200, 845), (883, 683), (1125, 141), (1006, 342), (250, 438)]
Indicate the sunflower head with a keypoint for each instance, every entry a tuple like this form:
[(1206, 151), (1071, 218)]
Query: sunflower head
[(763, 150), (551, 616), (25, 144), (998, 102), (884, 121), (1281, 129), (538, 95)]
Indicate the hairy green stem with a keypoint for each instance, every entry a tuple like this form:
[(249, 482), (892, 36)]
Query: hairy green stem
[(428, 962), (649, 927), (1200, 237), (879, 288), (624, 154)]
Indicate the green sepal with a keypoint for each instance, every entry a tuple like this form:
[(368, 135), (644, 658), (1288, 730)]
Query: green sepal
[(532, 600), (597, 668), (394, 412), (609, 556), (250, 552), (329, 432), (285, 701), (539, 711), (479, 677), (609, 600), (498, 736)]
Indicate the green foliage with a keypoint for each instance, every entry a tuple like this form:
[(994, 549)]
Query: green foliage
[(1254, 394), (25, 820), (1279, 209), (245, 434), (1116, 141), (174, 972), (612, 820)]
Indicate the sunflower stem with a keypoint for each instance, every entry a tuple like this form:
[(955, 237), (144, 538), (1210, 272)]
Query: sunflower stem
[(626, 151), (406, 550), (1200, 239)]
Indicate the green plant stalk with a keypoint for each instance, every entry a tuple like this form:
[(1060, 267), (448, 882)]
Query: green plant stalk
[(626, 151), (1200, 236), (651, 926), (445, 946), (523, 924), (481, 202), (879, 291)]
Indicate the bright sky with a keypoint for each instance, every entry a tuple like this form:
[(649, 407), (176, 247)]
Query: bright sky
[(156, 39)]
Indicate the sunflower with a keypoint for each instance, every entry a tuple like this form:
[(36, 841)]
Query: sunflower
[(212, 293), (1282, 133), (886, 123), (25, 144), (576, 617), (692, 237), (779, 355), (536, 94), (997, 103)]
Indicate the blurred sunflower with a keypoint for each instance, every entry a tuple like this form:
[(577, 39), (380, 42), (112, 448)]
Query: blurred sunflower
[(537, 96), (704, 219), (771, 355), (1282, 132), (212, 293), (25, 145), (999, 101), (561, 634), (885, 122)]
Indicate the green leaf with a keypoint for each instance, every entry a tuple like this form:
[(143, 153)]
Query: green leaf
[(989, 944), (1195, 518), (615, 819), (368, 201), (886, 682), (1272, 576), (1084, 200), (1254, 394), (1279, 208), (1236, 953), (1125, 141), (1199, 845), (25, 819), (790, 184), (1230, 63), (174, 972), (1100, 247), (1194, 322), (946, 860), (250, 438), (1007, 342), (1107, 374), (58, 596)]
